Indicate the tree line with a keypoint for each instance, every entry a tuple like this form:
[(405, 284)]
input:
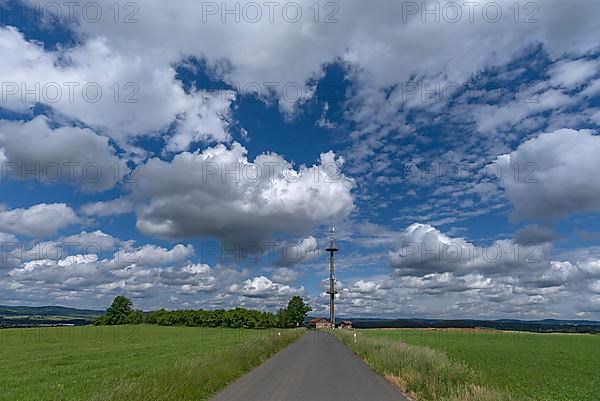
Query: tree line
[(121, 311)]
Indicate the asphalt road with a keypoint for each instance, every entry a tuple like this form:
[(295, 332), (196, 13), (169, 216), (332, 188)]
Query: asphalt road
[(317, 367)]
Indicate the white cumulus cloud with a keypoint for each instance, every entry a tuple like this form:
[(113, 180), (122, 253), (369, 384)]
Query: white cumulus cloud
[(38, 220), (553, 175), (219, 192)]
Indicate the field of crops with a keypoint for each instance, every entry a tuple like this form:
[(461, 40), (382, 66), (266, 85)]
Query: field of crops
[(548, 367), (128, 362)]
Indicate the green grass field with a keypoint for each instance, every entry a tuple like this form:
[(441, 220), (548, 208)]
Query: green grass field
[(128, 362), (549, 367)]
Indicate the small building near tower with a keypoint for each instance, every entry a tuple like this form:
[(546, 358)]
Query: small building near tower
[(320, 323), (345, 324)]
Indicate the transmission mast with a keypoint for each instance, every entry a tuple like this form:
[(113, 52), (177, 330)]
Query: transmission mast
[(332, 250)]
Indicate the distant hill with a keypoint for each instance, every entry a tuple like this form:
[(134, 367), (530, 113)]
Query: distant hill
[(32, 316), (548, 325), (539, 326), (47, 311)]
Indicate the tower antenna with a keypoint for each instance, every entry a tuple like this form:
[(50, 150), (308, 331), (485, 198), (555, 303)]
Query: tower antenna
[(332, 291)]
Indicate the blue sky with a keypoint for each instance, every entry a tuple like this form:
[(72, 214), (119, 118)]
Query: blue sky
[(184, 158)]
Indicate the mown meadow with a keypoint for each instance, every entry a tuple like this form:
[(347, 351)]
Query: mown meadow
[(484, 364), (134, 363)]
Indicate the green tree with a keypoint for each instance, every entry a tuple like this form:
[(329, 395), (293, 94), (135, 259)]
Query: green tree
[(296, 311), (282, 318), (119, 311), (136, 317)]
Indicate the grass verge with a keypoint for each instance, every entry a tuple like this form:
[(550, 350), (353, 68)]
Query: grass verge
[(534, 366), (421, 372), (199, 378), (132, 363)]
